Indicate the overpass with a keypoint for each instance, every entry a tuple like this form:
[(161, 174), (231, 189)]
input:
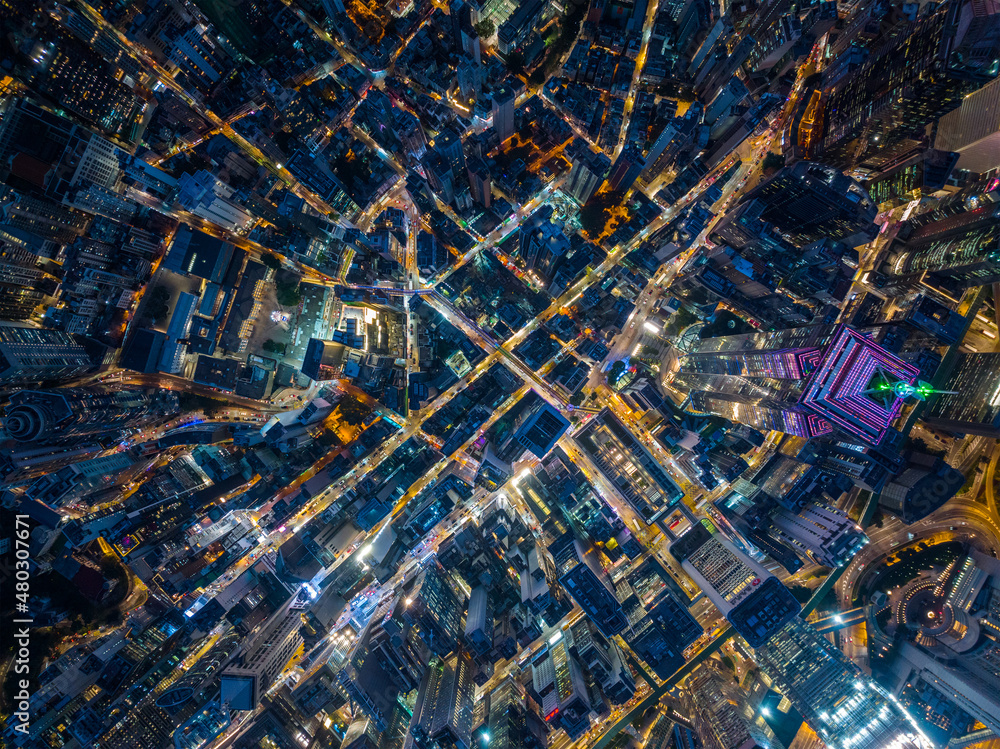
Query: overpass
[(840, 621)]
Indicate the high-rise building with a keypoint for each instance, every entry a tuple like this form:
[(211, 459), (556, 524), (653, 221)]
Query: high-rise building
[(503, 112), (922, 175), (433, 609), (868, 466), (558, 686), (253, 671), (836, 698), (721, 715), (626, 169), (804, 203), (469, 74), (808, 381), (507, 727), (542, 242), (661, 637), (924, 485), (179, 35), (539, 428), (752, 599), (974, 406), (825, 533), (918, 73), (30, 355), (973, 130), (449, 145), (957, 251), (182, 691), (323, 360), (444, 706), (603, 660), (80, 82), (586, 175), (941, 632), (388, 658), (79, 412), (47, 154), (480, 182)]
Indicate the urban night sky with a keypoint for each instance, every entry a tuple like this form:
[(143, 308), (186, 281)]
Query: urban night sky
[(499, 374)]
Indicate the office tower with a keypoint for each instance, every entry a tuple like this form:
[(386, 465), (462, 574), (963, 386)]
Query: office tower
[(586, 175), (323, 360), (588, 584), (732, 94), (721, 714), (804, 203), (388, 658), (973, 130), (80, 412), (459, 12), (922, 175), (434, 610), (914, 77), (469, 74), (443, 712), (44, 218), (716, 72), (411, 137), (449, 145), (539, 428), (825, 533), (30, 355), (179, 35), (507, 727), (542, 242), (252, 672), (956, 252), (974, 407), (558, 686), (23, 284), (838, 700), (629, 466), (809, 381), (516, 31), (480, 183), (924, 485), (503, 112), (362, 733), (751, 598), (439, 175), (479, 621)]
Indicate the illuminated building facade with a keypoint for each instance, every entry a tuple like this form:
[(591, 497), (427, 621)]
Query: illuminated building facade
[(956, 252), (836, 698), (974, 407), (809, 382), (558, 686)]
